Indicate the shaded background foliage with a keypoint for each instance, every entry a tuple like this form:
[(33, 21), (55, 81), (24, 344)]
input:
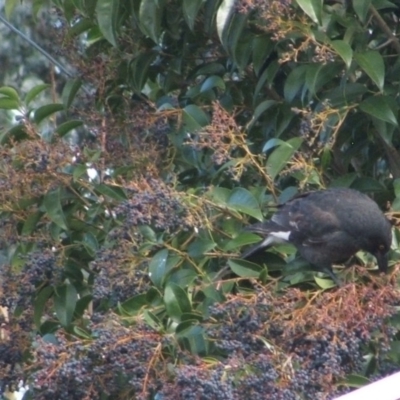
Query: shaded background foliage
[(125, 189)]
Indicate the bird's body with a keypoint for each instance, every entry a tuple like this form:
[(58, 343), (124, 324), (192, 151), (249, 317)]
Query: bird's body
[(328, 227)]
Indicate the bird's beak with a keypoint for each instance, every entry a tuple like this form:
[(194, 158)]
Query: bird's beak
[(382, 261)]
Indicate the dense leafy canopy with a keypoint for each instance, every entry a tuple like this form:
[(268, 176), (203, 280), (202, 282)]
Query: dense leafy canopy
[(124, 195)]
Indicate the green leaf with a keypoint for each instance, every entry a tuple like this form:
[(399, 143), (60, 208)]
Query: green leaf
[(139, 67), (160, 265), (317, 75), (150, 17), (379, 107), (133, 305), (361, 8), (65, 298), (68, 126), (262, 47), (152, 320), (194, 118), (224, 13), (396, 186), (190, 10), (9, 7), (8, 104), (30, 223), (83, 25), (260, 109), (107, 17), (70, 89), (294, 82), (53, 208), (82, 305), (200, 246), (113, 192), (89, 241), (324, 283), (242, 239), (9, 92), (242, 200), (35, 91), (372, 63), (212, 82), (344, 50), (245, 269), (313, 8), (368, 185), (45, 111), (40, 303), (279, 158), (176, 302), (220, 195), (356, 381)]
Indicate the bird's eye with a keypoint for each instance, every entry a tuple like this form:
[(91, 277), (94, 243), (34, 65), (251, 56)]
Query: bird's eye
[(381, 247)]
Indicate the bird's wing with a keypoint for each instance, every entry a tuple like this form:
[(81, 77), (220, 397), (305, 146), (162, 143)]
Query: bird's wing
[(307, 221)]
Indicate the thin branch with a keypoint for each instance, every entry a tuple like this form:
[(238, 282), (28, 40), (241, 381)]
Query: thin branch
[(381, 22)]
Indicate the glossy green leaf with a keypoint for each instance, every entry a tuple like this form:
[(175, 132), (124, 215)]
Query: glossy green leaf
[(324, 283), (313, 8), (9, 92), (356, 381), (139, 69), (379, 107), (260, 109), (194, 117), (113, 192), (7, 103), (237, 42), (245, 269), (262, 48), (53, 208), (68, 126), (224, 13), (107, 17), (279, 158), (212, 82), (152, 320), (160, 265), (133, 305), (243, 239), (35, 91), (65, 298), (176, 301), (294, 82), (40, 304), (361, 7), (317, 75), (190, 10), (200, 246), (81, 26), (373, 65), (69, 92), (150, 17), (344, 50), (45, 111), (31, 222), (242, 200), (82, 305)]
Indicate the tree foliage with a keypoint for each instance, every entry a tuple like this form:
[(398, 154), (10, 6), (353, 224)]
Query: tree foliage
[(124, 197)]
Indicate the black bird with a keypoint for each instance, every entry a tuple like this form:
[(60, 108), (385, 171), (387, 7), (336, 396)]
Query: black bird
[(327, 227)]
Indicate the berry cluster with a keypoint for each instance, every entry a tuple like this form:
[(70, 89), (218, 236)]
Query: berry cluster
[(116, 361), (153, 203)]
